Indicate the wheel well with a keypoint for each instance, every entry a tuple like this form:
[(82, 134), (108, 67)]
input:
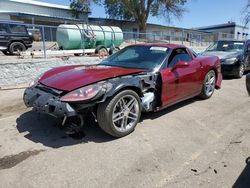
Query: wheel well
[(216, 73), (133, 88)]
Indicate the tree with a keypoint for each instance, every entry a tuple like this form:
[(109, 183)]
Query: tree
[(247, 11), (79, 6), (139, 10)]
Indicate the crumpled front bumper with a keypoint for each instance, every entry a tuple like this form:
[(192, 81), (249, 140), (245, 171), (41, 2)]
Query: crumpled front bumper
[(48, 103)]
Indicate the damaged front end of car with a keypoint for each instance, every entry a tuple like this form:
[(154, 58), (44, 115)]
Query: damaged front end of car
[(72, 107)]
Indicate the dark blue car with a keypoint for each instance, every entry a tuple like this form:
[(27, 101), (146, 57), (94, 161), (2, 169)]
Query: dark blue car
[(234, 56)]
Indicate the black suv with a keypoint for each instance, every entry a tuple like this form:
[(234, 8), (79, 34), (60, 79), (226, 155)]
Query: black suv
[(14, 37)]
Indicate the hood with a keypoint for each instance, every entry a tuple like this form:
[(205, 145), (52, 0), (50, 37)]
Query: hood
[(69, 78), (221, 54)]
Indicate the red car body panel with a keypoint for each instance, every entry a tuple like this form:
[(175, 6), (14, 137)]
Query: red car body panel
[(183, 83), (72, 77)]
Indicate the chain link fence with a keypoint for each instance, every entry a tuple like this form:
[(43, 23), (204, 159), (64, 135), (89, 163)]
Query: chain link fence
[(46, 41)]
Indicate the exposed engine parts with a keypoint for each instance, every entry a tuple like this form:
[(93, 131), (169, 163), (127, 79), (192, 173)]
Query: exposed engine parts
[(72, 125), (147, 101)]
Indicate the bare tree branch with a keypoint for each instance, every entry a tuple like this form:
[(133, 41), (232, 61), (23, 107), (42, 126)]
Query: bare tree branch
[(137, 10)]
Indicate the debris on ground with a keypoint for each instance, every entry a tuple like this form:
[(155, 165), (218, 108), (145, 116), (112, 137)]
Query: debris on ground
[(236, 142), (194, 170)]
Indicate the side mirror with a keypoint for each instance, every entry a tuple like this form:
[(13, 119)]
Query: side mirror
[(180, 64)]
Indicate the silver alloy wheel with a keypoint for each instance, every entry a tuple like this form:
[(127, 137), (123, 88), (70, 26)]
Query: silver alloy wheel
[(125, 113), (210, 84)]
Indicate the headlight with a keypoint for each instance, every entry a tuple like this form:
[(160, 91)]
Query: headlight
[(35, 81), (83, 93), (230, 60)]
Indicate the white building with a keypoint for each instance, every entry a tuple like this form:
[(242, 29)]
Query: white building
[(228, 30), (39, 13)]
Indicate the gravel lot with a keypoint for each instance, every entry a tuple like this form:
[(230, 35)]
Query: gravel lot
[(193, 144)]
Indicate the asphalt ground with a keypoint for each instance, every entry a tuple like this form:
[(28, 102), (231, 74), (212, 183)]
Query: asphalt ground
[(196, 143)]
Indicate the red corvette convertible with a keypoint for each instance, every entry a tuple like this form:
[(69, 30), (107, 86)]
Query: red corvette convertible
[(138, 78)]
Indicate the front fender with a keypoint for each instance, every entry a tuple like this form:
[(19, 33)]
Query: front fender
[(122, 83)]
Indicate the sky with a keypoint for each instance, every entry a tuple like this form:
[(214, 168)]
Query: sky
[(198, 13)]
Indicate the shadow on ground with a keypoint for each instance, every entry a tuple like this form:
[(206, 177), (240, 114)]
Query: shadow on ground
[(170, 109), (243, 180), (42, 128)]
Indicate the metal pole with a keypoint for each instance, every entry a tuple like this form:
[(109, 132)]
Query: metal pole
[(200, 40), (51, 34), (82, 32), (135, 36), (44, 47), (182, 36), (33, 22), (190, 38), (83, 42)]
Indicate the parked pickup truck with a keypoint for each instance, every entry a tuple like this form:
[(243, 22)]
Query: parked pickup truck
[(14, 38)]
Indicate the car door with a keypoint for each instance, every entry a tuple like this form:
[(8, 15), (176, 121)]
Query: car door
[(181, 83), (4, 36)]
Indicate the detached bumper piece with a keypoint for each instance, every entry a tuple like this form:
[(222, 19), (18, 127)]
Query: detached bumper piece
[(48, 103)]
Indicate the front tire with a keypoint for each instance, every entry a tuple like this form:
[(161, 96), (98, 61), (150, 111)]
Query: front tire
[(208, 85), (240, 71), (248, 83), (119, 115)]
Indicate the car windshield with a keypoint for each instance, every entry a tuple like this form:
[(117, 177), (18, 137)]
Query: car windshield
[(226, 46), (142, 57)]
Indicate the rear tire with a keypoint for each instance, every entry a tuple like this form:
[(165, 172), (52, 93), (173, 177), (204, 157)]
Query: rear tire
[(16, 47), (102, 52), (118, 116), (113, 50), (208, 85)]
